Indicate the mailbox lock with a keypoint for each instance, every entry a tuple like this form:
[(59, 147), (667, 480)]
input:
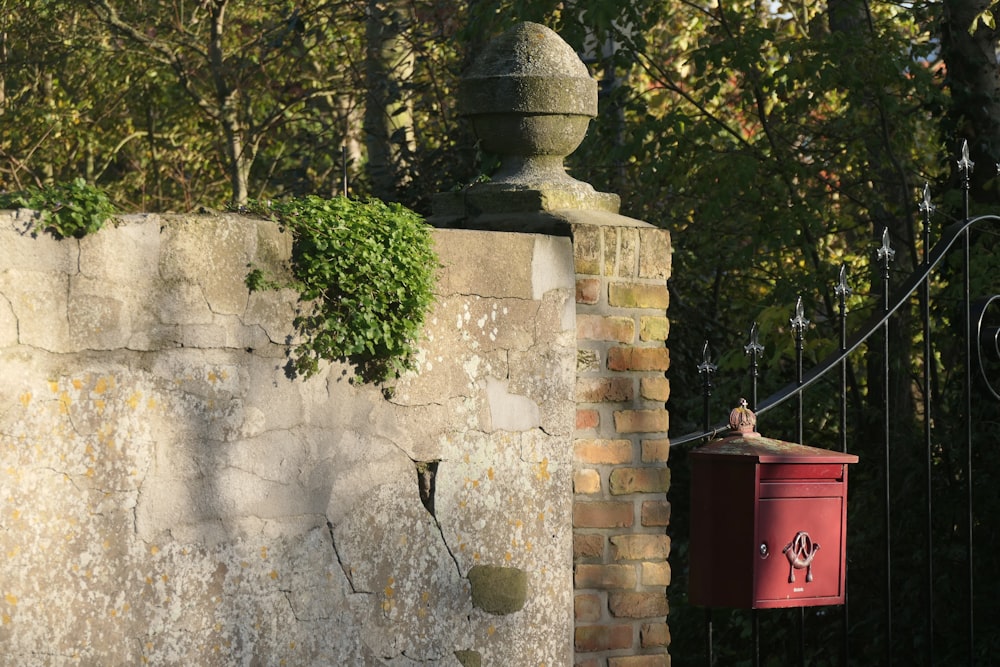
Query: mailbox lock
[(763, 550)]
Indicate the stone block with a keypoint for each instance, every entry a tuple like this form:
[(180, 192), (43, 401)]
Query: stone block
[(655, 253), (656, 574), (587, 249), (654, 328)]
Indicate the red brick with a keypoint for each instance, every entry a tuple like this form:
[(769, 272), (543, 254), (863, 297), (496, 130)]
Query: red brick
[(655, 513), (638, 295), (588, 546), (588, 290), (656, 450), (654, 634), (601, 390), (640, 547), (641, 421), (597, 452), (586, 481), (588, 662), (654, 328), (630, 604), (656, 574), (658, 660), (600, 327), (638, 359), (655, 388), (623, 481), (587, 419), (587, 607), (603, 514), (604, 576), (589, 638)]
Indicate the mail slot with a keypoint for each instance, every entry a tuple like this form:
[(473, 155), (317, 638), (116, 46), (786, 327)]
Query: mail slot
[(768, 522)]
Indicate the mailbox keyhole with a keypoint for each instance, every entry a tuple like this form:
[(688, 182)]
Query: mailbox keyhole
[(763, 550)]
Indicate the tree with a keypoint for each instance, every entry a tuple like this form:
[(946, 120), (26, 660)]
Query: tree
[(248, 70)]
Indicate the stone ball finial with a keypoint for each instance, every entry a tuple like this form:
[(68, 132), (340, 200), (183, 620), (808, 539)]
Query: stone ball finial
[(530, 99)]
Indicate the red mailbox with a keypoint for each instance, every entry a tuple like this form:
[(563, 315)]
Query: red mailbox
[(768, 522)]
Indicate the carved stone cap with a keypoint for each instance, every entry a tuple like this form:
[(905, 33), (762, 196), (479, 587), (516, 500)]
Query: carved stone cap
[(529, 69)]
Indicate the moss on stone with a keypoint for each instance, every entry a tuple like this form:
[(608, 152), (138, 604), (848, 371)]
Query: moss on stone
[(498, 590)]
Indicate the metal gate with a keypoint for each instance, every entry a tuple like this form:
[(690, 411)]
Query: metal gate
[(924, 502)]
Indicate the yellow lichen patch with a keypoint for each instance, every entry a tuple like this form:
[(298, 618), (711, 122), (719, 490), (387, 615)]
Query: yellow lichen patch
[(53, 386), (101, 386), (10, 599), (133, 400), (64, 402), (541, 516), (490, 630), (151, 403), (507, 556), (273, 574), (389, 590), (263, 553), (5, 619), (25, 398), (542, 471), (77, 384), (489, 473), (154, 549)]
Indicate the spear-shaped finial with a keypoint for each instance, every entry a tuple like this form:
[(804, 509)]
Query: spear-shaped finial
[(754, 346), (886, 253), (926, 206), (965, 165), (842, 289), (706, 367), (799, 322)]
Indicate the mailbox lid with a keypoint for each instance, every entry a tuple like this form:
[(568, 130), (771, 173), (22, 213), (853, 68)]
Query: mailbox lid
[(758, 449)]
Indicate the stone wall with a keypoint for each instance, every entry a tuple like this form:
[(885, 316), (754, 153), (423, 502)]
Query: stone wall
[(170, 497)]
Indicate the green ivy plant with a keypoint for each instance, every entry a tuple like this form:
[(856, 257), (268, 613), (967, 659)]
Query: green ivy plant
[(72, 209), (365, 273)]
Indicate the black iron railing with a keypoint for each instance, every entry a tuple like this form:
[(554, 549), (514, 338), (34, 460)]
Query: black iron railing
[(929, 608)]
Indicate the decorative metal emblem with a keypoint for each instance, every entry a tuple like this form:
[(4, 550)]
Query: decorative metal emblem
[(800, 553)]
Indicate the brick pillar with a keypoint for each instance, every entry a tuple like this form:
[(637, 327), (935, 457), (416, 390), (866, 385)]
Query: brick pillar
[(620, 474)]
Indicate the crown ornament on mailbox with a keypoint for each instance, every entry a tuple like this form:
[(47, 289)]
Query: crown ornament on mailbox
[(743, 420)]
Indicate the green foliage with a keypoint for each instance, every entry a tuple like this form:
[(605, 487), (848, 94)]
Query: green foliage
[(365, 272), (68, 209)]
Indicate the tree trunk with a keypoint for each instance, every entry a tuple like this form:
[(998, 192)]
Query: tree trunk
[(974, 81), (388, 121)]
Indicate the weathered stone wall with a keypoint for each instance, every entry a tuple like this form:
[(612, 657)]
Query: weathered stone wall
[(170, 497)]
